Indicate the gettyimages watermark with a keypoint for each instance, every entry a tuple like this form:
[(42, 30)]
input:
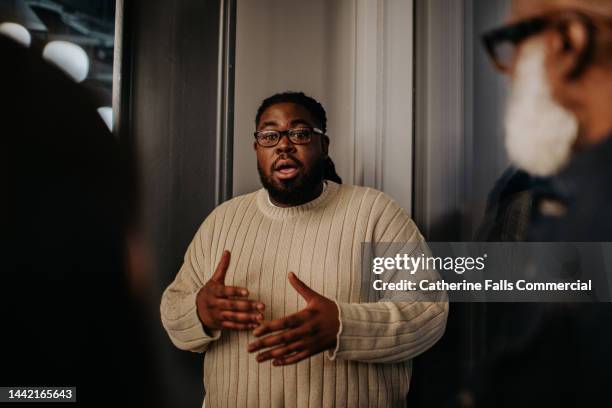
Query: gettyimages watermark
[(487, 272)]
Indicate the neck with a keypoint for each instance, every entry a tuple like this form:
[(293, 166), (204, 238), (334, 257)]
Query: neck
[(595, 116), (313, 194)]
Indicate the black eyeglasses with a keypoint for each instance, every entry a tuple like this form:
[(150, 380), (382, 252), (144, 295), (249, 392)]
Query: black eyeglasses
[(299, 136), (501, 43)]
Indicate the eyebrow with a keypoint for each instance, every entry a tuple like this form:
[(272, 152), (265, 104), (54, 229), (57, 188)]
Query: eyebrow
[(300, 122), (293, 123)]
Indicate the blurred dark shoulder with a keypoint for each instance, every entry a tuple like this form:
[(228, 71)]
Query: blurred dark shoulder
[(67, 312), (574, 207)]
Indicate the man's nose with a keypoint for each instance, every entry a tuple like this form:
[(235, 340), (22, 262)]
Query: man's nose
[(284, 145)]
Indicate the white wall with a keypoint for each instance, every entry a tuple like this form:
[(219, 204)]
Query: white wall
[(355, 57), (459, 132)]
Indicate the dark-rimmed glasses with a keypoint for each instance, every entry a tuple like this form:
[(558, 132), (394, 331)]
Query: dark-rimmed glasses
[(298, 136), (501, 43)]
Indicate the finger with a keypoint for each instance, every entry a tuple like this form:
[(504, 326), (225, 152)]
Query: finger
[(238, 305), (234, 291), (292, 359), (241, 317), (219, 290), (301, 287), (287, 322), (219, 275), (286, 337), (237, 326), (282, 351)]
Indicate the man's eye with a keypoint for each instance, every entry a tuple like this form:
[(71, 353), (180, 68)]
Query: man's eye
[(301, 133), (268, 136)]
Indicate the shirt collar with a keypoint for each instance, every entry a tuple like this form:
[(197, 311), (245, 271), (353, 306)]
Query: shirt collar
[(587, 171), (593, 165)]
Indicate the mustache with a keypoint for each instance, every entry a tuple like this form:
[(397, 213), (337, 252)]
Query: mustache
[(290, 157)]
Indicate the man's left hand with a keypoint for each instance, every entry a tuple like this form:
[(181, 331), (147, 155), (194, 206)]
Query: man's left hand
[(305, 333)]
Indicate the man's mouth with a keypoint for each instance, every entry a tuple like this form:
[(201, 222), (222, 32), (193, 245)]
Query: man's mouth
[(286, 169)]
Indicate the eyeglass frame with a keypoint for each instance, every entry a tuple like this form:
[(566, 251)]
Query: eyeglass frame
[(521, 30), (288, 134)]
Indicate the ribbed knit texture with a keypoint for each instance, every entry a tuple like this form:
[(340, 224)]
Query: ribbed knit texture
[(320, 242)]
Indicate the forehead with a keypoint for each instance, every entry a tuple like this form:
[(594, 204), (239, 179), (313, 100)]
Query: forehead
[(286, 113), (523, 9)]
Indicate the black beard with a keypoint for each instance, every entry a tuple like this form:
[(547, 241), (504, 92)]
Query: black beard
[(296, 191)]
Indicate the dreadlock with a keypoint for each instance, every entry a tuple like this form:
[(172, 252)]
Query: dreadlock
[(316, 110)]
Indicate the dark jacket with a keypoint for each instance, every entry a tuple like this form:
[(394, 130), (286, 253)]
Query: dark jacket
[(575, 205), (559, 354)]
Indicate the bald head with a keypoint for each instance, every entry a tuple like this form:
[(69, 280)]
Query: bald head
[(577, 57), (599, 13), (528, 8)]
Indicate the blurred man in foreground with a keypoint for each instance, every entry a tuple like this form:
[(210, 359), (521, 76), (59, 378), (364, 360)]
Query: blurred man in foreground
[(558, 128), (67, 313), (559, 119)]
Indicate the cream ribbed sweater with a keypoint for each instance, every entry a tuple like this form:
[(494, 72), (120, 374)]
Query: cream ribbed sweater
[(321, 242)]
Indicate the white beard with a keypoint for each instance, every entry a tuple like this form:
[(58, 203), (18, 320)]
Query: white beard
[(539, 131)]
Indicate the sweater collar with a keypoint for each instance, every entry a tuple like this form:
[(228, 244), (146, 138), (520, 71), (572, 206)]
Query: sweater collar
[(276, 206), (272, 211)]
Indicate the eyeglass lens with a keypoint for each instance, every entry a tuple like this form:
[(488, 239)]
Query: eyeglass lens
[(272, 137)]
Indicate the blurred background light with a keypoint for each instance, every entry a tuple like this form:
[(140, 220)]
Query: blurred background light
[(69, 57), (16, 32), (106, 112)]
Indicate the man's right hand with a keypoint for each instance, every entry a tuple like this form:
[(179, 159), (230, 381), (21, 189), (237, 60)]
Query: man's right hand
[(227, 307)]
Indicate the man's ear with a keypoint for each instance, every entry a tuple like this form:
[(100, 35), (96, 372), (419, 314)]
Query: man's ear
[(255, 145), (325, 145), (572, 45)]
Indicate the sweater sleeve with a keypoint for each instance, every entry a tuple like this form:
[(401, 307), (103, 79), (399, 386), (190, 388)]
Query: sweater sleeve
[(399, 326), (178, 309)]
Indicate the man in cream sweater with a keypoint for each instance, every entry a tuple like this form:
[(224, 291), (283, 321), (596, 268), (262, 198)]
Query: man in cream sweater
[(271, 285)]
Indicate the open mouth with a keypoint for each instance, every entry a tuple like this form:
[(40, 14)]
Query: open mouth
[(286, 169)]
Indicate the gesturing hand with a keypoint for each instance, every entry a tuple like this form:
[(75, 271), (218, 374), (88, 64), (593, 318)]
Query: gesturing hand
[(307, 332), (221, 306)]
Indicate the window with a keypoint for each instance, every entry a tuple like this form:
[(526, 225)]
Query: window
[(76, 35)]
